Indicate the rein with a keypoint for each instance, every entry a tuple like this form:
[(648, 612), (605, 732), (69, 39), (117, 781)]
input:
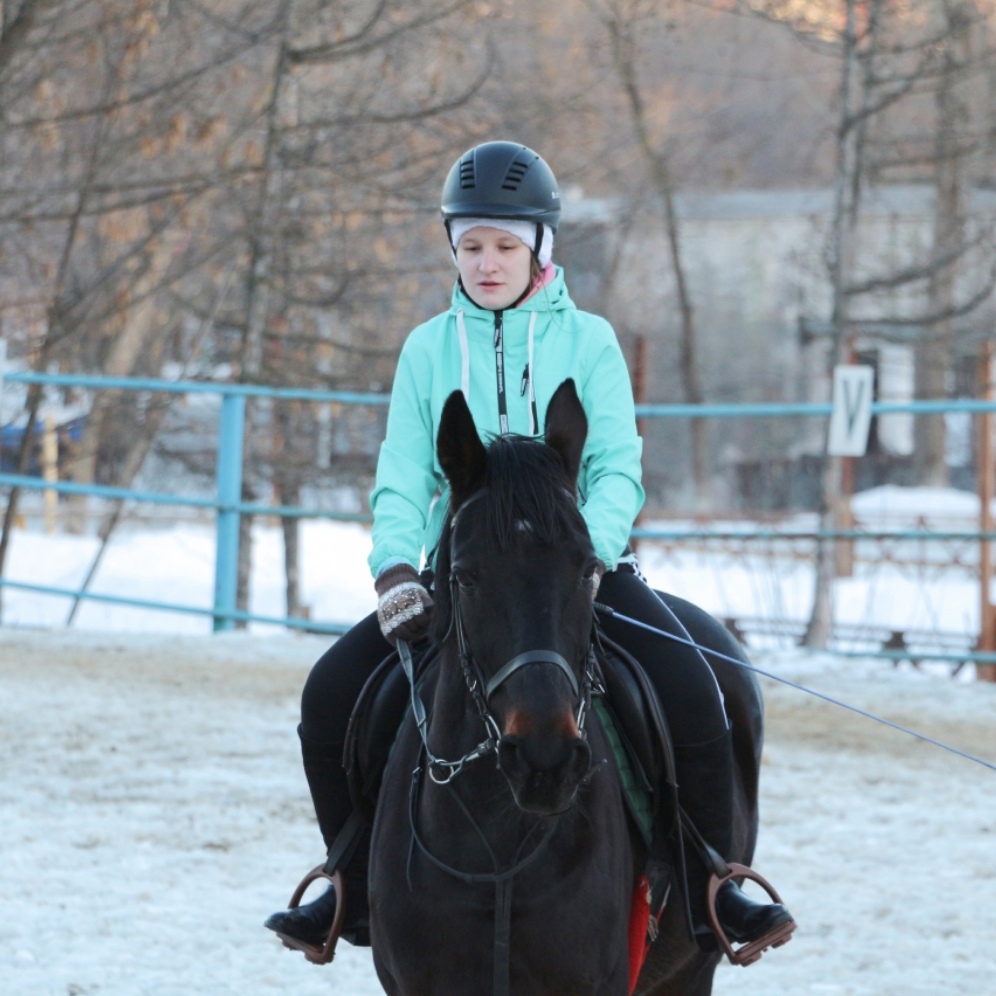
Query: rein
[(485, 747), (607, 610), (501, 878)]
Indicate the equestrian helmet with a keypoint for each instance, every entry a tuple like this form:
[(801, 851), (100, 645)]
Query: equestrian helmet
[(502, 180)]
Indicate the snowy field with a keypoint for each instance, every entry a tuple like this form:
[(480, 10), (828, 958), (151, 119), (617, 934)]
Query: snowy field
[(154, 811)]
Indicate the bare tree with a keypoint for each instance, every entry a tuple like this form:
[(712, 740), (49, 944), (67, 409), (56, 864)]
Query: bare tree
[(348, 132), (953, 148), (626, 22), (890, 59)]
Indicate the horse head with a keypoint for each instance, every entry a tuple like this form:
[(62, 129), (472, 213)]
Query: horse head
[(514, 591)]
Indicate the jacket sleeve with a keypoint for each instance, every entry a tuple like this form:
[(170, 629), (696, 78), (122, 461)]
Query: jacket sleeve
[(406, 480), (611, 486)]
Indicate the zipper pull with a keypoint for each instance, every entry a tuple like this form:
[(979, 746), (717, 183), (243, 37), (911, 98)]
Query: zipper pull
[(498, 329), (525, 380)]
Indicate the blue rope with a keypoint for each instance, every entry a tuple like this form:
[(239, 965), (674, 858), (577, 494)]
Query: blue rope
[(609, 611)]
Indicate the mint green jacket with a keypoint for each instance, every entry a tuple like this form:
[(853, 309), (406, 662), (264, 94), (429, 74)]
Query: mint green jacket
[(546, 340)]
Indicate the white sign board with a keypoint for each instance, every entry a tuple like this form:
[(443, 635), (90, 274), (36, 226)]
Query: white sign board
[(850, 421)]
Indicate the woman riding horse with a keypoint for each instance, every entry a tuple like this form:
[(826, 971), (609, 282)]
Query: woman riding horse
[(511, 312)]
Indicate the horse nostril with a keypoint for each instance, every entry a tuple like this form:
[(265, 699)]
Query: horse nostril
[(508, 752), (555, 759)]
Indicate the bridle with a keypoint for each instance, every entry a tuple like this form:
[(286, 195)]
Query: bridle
[(480, 689)]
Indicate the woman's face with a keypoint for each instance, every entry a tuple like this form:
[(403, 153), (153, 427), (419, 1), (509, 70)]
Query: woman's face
[(494, 267)]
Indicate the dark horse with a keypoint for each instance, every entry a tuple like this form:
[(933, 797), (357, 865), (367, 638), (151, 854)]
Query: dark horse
[(503, 859)]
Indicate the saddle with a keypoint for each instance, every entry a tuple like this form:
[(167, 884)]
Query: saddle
[(629, 710), (632, 717), (637, 720)]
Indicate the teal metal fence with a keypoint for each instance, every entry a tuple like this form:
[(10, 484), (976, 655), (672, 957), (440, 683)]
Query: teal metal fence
[(229, 509)]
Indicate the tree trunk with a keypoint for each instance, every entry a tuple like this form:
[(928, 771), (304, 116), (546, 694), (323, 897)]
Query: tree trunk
[(934, 349), (23, 458), (846, 201), (624, 60), (291, 528), (257, 302), (131, 343)]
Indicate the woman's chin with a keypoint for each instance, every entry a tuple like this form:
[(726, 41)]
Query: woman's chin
[(494, 300)]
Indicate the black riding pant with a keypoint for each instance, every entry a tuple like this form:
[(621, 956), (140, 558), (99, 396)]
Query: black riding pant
[(686, 686)]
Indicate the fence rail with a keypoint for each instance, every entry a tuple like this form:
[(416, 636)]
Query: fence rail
[(228, 507)]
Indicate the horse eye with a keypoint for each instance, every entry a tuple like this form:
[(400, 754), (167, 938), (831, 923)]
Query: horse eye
[(463, 579), (588, 576)]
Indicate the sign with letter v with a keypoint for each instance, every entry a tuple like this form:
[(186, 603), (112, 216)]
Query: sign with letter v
[(853, 386)]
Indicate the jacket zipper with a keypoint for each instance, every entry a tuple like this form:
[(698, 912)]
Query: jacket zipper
[(500, 373)]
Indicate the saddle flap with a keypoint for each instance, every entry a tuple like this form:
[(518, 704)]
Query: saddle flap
[(366, 749), (642, 727), (373, 727)]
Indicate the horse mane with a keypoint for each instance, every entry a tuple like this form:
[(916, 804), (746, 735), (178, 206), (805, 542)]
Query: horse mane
[(524, 482)]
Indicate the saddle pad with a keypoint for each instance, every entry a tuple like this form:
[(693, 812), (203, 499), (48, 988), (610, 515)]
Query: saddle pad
[(638, 799)]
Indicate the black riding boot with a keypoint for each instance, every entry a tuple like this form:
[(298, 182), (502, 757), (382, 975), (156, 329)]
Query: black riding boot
[(312, 921), (705, 791)]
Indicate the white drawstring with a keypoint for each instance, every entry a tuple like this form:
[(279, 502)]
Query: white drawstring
[(464, 357), (533, 428)]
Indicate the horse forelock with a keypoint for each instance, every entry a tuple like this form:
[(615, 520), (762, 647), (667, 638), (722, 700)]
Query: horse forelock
[(526, 489)]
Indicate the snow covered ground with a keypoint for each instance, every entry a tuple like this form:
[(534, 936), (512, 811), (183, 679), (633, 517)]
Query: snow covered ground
[(153, 810)]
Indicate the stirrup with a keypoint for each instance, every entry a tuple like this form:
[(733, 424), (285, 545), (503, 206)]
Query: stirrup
[(324, 954), (750, 952)]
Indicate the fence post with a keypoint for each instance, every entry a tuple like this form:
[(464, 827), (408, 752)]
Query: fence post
[(229, 481), (986, 474)]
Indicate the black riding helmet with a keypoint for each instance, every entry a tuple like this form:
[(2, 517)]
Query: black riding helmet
[(502, 180)]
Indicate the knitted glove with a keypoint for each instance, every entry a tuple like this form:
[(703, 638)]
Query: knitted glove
[(403, 604)]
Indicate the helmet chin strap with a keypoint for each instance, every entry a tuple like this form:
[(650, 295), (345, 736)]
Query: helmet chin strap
[(514, 304)]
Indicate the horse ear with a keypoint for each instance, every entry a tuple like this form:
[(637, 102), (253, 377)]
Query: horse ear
[(567, 427), (459, 448)]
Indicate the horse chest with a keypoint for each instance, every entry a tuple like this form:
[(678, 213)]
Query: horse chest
[(569, 898)]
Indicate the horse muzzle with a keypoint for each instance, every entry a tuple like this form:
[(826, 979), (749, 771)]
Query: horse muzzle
[(541, 750), (544, 767)]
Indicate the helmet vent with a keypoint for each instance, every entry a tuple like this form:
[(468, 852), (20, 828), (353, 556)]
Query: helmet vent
[(467, 174), (515, 175)]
